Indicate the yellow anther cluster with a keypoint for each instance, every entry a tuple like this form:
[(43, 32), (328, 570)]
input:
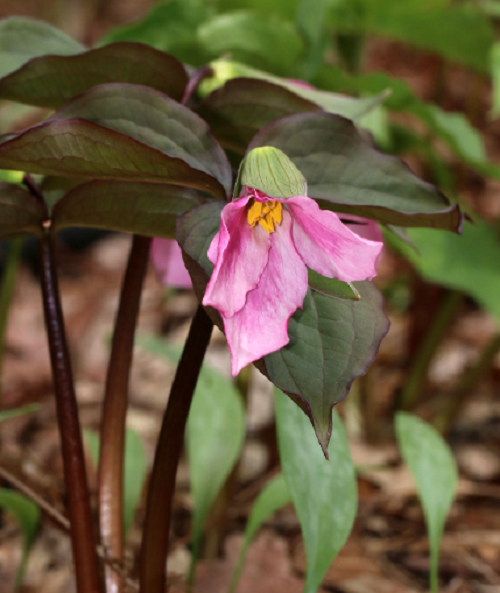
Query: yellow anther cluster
[(267, 214)]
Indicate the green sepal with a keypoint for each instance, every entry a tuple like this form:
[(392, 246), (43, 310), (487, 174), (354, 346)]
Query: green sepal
[(268, 169)]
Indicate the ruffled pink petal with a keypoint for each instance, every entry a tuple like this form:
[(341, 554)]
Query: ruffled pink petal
[(261, 326), (366, 228), (166, 256), (327, 246), (242, 253)]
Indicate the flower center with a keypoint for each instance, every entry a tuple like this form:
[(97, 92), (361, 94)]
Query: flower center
[(267, 214)]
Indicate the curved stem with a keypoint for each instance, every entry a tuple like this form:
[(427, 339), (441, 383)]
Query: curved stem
[(154, 548), (82, 537), (110, 484)]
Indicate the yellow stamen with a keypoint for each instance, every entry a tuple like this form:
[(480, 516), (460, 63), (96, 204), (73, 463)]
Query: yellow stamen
[(267, 214)]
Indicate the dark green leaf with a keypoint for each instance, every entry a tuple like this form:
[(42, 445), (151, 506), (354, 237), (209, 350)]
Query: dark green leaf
[(323, 492), (194, 232), (269, 43), (251, 99), (143, 208), (435, 471), (20, 212), (51, 81), (27, 514), (170, 27), (155, 120), (332, 340), (22, 39), (273, 497), (146, 137), (332, 286), (242, 106), (347, 175)]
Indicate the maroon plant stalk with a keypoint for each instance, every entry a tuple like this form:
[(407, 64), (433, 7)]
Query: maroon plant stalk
[(152, 578), (111, 462), (79, 512), (111, 458)]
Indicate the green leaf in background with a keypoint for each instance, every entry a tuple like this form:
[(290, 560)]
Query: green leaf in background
[(215, 434), (453, 128), (323, 492), (345, 174), (134, 472), (144, 208), (264, 42), (51, 81), (286, 9), (20, 212), (332, 286), (460, 33), (15, 412), (146, 137), (274, 496), (22, 39), (27, 514), (332, 340), (435, 472), (169, 26), (467, 262), (495, 76)]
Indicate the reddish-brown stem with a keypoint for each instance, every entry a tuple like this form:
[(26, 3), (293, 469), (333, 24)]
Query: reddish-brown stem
[(111, 461), (79, 512), (152, 578)]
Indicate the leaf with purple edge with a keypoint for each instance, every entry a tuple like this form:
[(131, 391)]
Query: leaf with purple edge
[(345, 174), (123, 132), (332, 340), (52, 80), (22, 39), (144, 208)]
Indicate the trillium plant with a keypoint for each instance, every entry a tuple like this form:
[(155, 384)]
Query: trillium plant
[(273, 193)]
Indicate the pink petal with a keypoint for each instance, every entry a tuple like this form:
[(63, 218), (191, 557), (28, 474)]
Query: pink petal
[(261, 326), (368, 229), (242, 253), (167, 260), (327, 246)]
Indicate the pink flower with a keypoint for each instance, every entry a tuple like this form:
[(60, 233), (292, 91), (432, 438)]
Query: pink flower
[(260, 277), (364, 227), (167, 260)]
